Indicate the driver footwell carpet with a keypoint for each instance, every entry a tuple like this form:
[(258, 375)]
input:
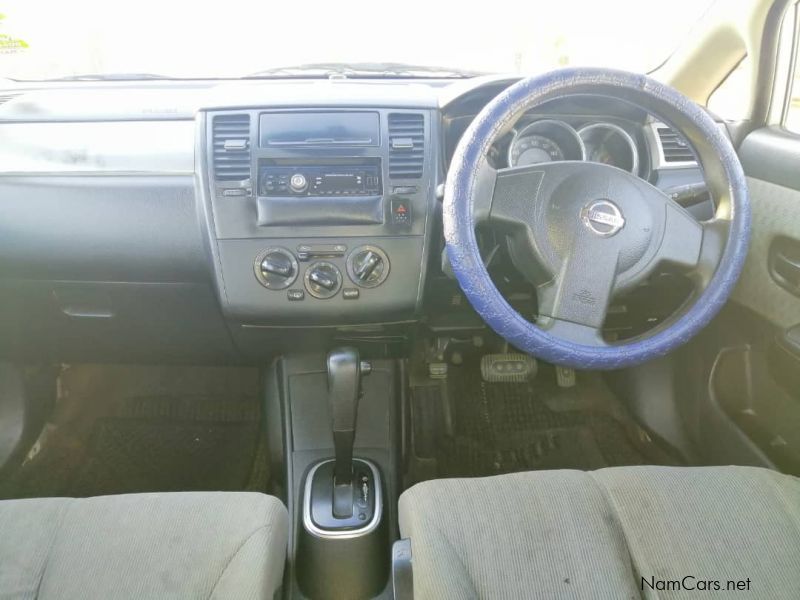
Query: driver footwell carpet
[(123, 430), (507, 427)]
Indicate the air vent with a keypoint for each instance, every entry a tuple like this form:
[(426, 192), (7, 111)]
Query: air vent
[(406, 145), (231, 139), (674, 147), (6, 97)]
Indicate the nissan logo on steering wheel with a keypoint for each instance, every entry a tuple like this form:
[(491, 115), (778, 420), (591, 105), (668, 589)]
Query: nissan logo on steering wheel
[(603, 217)]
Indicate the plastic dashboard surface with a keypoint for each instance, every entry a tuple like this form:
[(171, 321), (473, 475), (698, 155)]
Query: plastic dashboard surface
[(106, 187)]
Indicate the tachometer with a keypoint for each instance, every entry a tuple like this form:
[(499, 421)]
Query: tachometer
[(544, 141), (610, 144)]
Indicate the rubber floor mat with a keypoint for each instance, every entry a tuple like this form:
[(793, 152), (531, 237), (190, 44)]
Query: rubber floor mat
[(130, 455), (504, 428), (106, 441)]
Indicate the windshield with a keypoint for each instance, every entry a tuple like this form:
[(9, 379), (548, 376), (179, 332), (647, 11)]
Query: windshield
[(48, 39)]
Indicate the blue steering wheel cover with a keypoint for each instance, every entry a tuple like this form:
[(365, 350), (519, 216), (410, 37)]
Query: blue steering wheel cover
[(459, 222)]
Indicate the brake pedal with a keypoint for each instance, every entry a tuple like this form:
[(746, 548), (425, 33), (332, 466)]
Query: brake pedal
[(508, 368)]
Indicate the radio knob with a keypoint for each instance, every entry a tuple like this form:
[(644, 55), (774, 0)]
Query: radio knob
[(298, 183)]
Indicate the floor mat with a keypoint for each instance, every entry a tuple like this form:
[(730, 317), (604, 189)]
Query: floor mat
[(503, 428), (124, 430)]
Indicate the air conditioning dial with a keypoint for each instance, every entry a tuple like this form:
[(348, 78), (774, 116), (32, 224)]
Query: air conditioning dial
[(275, 268), (368, 266), (323, 280)]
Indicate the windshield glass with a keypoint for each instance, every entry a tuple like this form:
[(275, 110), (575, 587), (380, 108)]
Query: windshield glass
[(47, 39)]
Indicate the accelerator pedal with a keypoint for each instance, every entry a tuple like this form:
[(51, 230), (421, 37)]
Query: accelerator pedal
[(508, 368)]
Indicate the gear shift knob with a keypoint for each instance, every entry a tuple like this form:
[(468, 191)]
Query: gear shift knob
[(344, 379)]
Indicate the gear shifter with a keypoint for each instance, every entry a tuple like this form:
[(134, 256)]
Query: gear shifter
[(344, 388), (341, 545)]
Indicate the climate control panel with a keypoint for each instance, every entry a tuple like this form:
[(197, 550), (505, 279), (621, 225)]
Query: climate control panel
[(327, 270), (306, 281)]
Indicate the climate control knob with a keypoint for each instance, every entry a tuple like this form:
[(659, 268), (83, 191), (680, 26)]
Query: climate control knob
[(323, 280), (276, 268), (368, 266), (298, 183)]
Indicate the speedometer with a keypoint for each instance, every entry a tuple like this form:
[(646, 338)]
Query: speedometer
[(535, 149), (544, 141)]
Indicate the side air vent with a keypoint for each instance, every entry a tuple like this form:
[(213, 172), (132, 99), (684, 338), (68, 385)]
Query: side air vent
[(674, 147), (231, 140), (406, 145), (6, 97)]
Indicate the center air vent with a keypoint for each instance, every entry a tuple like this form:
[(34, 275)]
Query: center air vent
[(231, 139), (406, 145), (674, 147)]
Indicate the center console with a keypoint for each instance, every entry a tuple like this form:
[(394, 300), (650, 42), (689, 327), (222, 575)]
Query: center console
[(319, 216), (319, 223), (334, 431)]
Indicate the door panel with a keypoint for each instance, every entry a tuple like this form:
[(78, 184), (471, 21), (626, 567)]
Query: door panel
[(750, 385), (776, 217), (742, 399)]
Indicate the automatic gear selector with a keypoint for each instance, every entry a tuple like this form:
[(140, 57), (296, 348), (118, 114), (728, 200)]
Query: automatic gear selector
[(343, 494), (344, 535)]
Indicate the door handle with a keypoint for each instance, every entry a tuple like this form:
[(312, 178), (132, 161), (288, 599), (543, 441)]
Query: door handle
[(784, 263)]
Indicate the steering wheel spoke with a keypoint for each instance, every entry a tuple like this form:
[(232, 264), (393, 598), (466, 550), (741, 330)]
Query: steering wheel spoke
[(581, 292), (683, 237), (712, 248), (515, 194), (485, 182), (696, 247)]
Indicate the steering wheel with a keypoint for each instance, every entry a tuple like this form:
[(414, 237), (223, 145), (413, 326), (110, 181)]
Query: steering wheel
[(584, 232)]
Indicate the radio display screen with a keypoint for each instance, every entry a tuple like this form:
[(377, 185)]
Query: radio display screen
[(339, 182), (308, 128)]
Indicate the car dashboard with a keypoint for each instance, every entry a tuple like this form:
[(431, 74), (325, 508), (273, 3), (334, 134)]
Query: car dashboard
[(230, 219)]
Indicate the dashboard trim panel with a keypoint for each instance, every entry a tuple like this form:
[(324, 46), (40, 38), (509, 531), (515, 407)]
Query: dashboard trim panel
[(107, 182), (99, 148)]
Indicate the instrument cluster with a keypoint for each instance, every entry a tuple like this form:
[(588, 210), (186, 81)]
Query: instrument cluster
[(549, 140)]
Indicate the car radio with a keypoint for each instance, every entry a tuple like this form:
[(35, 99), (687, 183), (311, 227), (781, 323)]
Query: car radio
[(319, 180)]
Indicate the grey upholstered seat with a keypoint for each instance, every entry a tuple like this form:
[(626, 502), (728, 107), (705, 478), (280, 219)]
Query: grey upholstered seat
[(177, 545), (614, 533)]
